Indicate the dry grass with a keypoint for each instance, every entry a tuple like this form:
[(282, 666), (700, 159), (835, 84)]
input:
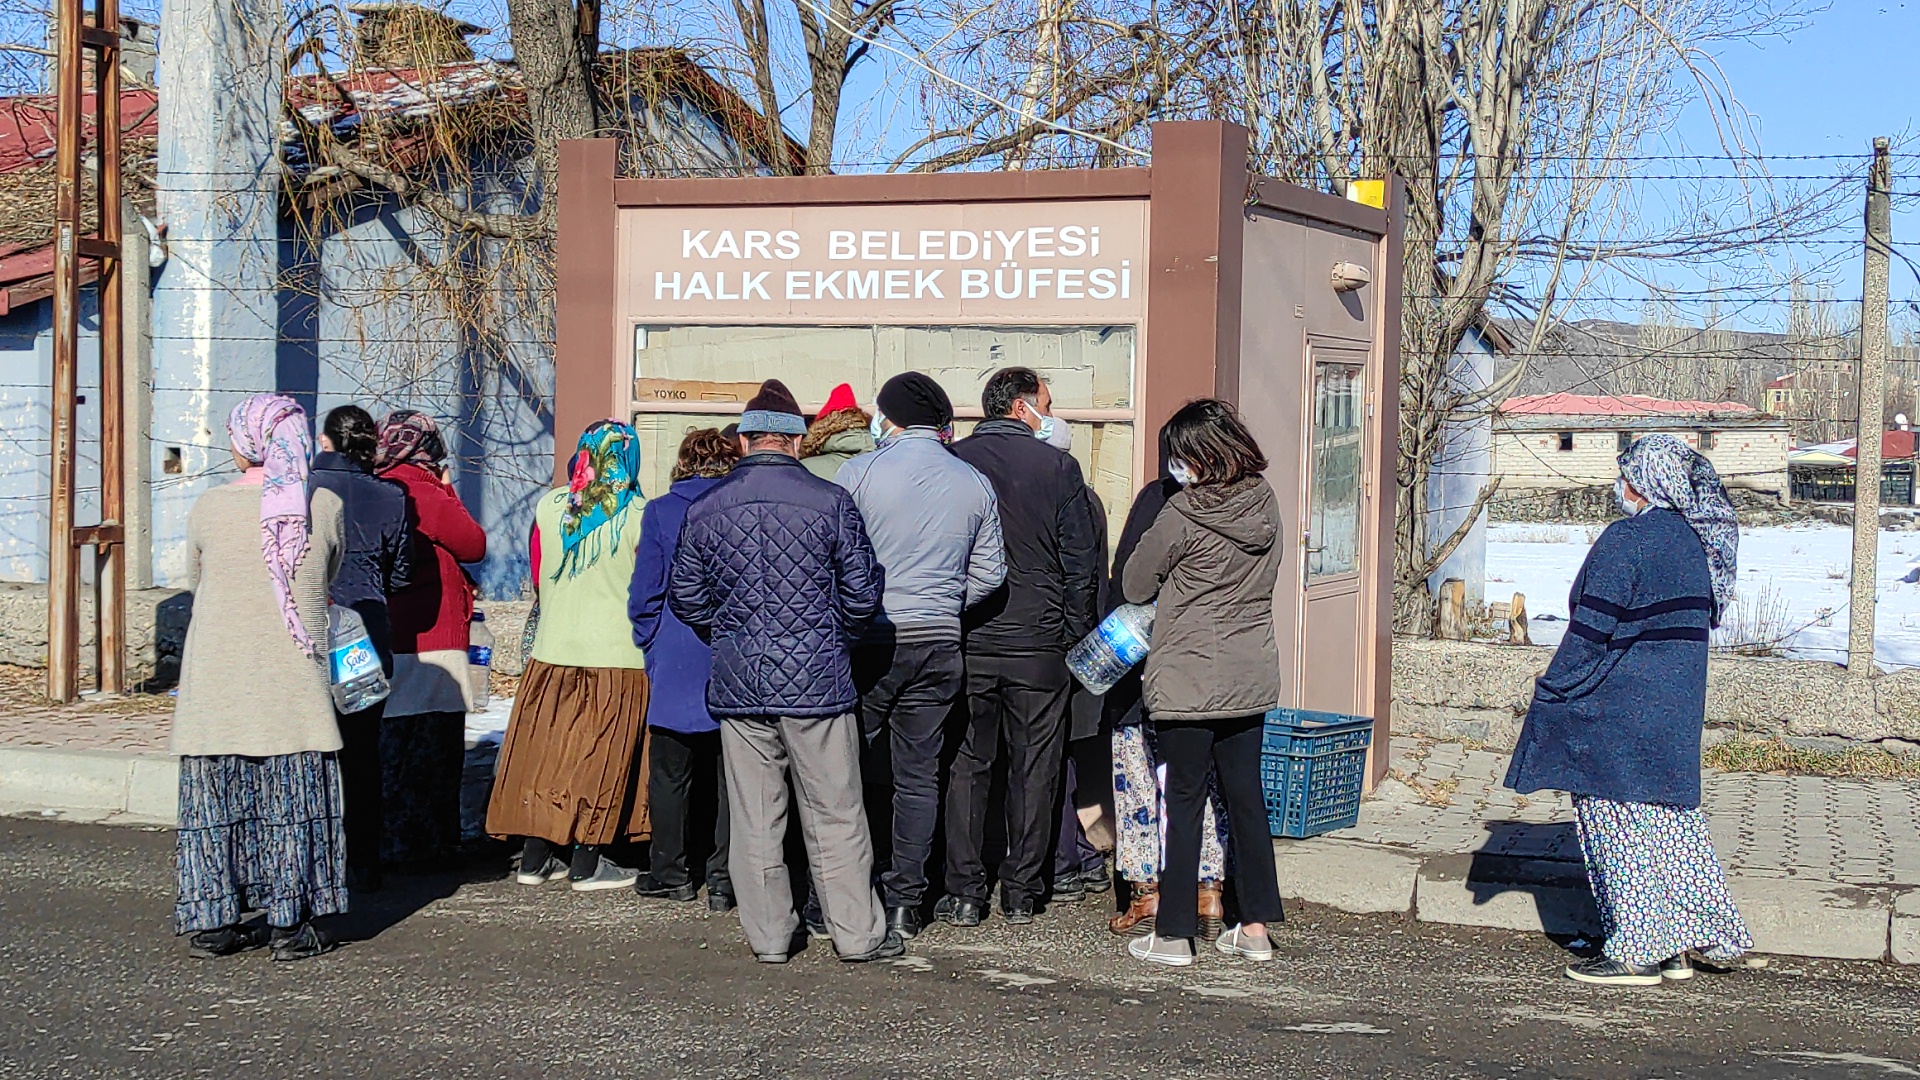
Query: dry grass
[(1779, 756), (25, 688)]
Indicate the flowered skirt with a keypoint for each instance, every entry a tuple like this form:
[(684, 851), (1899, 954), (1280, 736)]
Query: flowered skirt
[(260, 834), (1657, 883), (1140, 808)]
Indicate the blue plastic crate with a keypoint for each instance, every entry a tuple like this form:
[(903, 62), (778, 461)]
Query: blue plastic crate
[(1313, 766)]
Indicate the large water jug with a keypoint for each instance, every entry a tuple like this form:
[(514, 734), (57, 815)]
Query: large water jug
[(1119, 642), (358, 681)]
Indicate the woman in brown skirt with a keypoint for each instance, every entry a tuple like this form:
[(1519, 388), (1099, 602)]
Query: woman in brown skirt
[(572, 767)]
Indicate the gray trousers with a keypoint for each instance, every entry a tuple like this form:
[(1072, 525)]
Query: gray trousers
[(823, 756)]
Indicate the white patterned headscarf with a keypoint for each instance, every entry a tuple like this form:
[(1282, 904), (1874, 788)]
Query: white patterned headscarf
[(1668, 473)]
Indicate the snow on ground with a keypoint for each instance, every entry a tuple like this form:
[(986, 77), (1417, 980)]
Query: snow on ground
[(486, 728), (1793, 585)]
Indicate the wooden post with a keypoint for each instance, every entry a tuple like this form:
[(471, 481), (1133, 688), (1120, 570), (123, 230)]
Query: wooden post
[(1453, 609), (71, 245), (1517, 631)]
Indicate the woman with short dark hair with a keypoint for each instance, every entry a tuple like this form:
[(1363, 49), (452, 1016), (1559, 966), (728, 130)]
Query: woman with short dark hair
[(1209, 564), (376, 564), (1616, 719), (686, 783)]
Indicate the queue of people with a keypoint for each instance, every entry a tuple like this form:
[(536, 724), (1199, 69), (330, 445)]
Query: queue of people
[(774, 669)]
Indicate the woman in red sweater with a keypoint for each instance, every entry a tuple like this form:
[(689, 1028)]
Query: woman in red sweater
[(423, 736)]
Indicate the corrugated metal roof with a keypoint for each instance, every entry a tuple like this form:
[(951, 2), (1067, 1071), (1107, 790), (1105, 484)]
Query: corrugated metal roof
[(1622, 405)]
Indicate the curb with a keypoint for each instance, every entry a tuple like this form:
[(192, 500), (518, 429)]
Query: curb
[(90, 785), (1788, 916)]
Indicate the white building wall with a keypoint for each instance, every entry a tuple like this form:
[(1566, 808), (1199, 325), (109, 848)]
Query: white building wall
[(1753, 458)]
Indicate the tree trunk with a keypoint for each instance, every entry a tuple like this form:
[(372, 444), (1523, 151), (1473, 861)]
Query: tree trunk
[(554, 42)]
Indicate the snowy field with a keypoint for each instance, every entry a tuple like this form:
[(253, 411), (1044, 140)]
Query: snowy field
[(1793, 586)]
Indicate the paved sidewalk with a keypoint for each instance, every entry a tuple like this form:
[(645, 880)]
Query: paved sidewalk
[(1446, 798), (1819, 866)]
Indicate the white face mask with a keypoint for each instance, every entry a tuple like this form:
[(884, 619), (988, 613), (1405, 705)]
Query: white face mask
[(1181, 474), (1055, 433), (878, 427), (1630, 508)]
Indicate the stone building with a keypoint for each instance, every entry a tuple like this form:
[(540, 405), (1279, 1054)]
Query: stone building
[(1558, 442)]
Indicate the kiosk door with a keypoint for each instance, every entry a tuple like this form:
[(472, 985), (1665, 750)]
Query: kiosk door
[(1336, 512)]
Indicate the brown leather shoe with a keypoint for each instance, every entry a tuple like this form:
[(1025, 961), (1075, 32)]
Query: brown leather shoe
[(1212, 915), (1138, 918)]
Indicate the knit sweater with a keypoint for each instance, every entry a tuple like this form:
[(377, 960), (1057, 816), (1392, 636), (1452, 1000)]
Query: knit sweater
[(245, 687), (583, 608), (1617, 715)]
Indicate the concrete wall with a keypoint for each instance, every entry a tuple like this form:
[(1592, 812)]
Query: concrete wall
[(1531, 457), (1476, 691)]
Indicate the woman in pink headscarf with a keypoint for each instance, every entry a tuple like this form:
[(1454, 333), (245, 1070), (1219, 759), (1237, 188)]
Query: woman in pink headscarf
[(260, 808)]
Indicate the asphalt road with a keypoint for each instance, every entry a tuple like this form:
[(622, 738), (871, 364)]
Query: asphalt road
[(473, 976)]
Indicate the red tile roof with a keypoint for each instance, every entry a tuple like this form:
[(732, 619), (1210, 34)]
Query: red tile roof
[(1623, 405)]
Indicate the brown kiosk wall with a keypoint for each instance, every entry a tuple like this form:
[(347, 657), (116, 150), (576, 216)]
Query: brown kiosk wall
[(1135, 290)]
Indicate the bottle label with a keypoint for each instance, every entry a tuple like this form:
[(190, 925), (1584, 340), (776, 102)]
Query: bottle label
[(480, 655), (1123, 641), (353, 660)]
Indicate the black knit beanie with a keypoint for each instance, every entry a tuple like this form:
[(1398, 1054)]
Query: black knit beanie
[(915, 400)]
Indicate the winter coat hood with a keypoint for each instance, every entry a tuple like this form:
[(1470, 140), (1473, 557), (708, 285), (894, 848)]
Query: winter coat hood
[(845, 432), (1240, 512)]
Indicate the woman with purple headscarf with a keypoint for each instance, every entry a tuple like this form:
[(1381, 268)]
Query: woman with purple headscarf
[(260, 806)]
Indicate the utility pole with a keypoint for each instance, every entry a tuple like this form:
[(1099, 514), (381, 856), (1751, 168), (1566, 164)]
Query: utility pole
[(1872, 421), (72, 244)]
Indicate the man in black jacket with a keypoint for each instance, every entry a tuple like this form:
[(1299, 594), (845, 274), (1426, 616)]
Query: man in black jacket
[(774, 568), (1016, 647)]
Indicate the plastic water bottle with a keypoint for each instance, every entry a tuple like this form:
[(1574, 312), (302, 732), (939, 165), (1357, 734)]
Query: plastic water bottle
[(358, 681), (479, 660), (1119, 642)]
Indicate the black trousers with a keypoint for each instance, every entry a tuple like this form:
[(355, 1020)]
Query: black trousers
[(1231, 749), (363, 809), (1020, 701), (907, 691), (687, 789)]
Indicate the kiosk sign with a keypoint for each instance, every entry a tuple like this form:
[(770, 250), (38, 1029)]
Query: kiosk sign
[(1045, 262)]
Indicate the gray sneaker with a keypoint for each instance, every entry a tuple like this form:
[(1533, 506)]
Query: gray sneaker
[(1606, 971), (554, 870), (1154, 949), (607, 875), (1237, 942)]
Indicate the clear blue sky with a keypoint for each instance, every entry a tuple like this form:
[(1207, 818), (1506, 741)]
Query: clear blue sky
[(1851, 73)]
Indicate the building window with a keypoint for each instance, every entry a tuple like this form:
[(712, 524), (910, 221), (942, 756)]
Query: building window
[(1706, 440), (1624, 440), (1566, 440)]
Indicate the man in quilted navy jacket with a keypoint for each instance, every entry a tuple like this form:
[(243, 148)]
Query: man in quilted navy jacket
[(775, 569)]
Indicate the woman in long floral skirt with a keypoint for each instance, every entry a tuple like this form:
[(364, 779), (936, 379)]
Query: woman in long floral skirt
[(571, 766), (260, 809), (1616, 719)]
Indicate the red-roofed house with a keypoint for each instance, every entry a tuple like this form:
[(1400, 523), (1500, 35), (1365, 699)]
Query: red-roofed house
[(1565, 441)]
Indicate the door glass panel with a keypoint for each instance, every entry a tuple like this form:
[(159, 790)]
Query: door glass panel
[(1333, 492)]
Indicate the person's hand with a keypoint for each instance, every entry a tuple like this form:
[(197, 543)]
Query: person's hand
[(446, 475)]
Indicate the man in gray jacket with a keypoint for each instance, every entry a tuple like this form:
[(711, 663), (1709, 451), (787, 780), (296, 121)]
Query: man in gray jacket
[(935, 527)]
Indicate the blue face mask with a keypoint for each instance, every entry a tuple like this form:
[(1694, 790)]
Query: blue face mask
[(878, 427), (1181, 474)]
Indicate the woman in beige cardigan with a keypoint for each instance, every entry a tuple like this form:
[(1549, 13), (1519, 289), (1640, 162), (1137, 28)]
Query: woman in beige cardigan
[(254, 727)]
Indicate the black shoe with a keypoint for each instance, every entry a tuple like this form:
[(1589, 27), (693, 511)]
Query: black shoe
[(226, 941), (1018, 914), (1069, 888), (889, 947), (1605, 971), (679, 894), (904, 921), (959, 911), (300, 943), (720, 901), (1676, 968), (1098, 881)]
